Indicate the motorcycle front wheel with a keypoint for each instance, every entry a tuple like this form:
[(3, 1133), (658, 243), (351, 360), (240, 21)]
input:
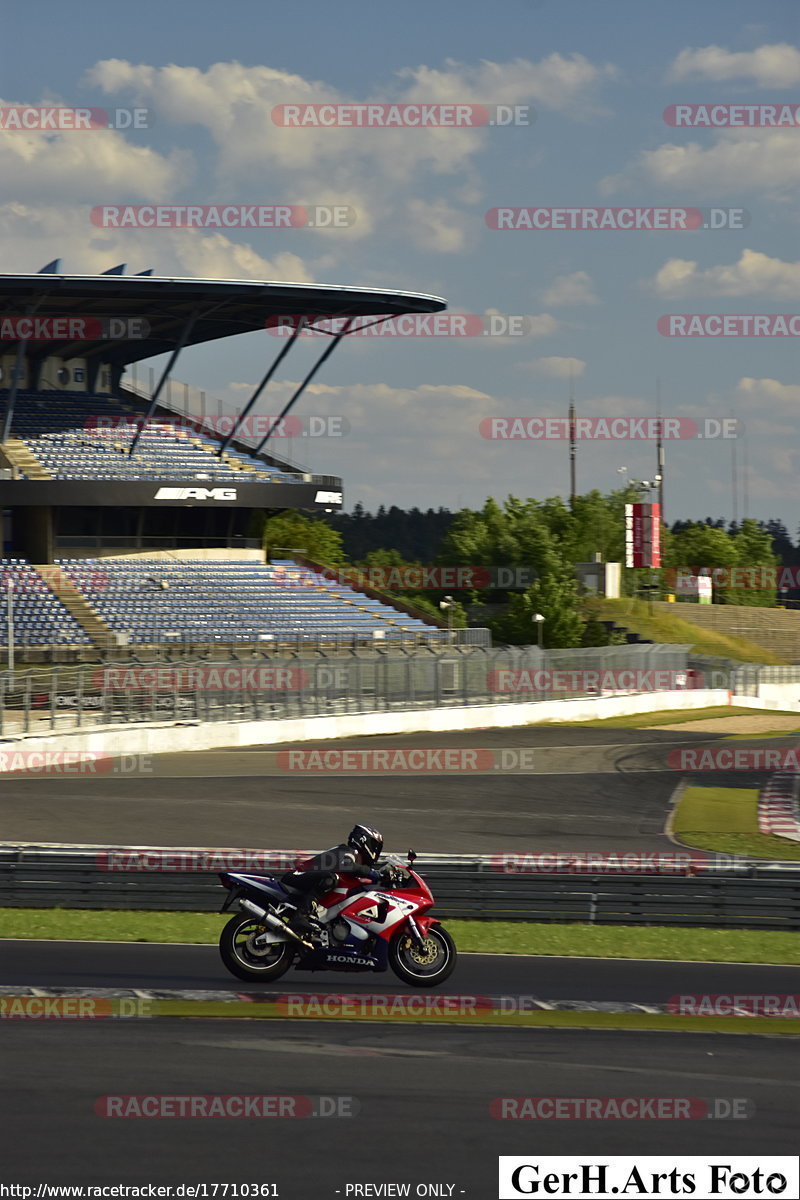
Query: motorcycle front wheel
[(425, 965), (245, 959)]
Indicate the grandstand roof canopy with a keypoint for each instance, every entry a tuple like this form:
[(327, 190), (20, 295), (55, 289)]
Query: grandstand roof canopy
[(221, 307)]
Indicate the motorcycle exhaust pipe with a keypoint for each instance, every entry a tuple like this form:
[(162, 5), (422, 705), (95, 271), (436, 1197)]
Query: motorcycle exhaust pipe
[(263, 915)]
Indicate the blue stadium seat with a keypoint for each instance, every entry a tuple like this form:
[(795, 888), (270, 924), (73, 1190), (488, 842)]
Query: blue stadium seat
[(232, 601)]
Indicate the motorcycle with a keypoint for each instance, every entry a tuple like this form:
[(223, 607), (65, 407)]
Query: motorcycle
[(355, 927)]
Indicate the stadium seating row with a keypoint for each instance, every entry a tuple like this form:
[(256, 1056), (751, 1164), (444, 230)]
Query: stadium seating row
[(157, 600), (39, 617), (66, 435)]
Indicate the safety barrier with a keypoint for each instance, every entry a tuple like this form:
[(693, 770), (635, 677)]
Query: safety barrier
[(693, 891), (779, 806)]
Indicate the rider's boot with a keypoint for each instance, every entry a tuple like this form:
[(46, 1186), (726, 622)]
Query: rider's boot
[(298, 924)]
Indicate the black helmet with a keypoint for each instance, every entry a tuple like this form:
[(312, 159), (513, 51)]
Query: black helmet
[(367, 841)]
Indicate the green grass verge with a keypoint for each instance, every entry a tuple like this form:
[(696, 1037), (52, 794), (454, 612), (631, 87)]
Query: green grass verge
[(661, 627), (498, 937), (680, 717), (564, 1019), (726, 820)]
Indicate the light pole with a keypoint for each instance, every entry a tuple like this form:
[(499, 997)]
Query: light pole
[(159, 585), (449, 604), (539, 621), (59, 635), (10, 620)]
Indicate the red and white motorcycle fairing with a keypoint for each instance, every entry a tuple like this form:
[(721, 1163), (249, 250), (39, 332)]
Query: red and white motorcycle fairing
[(359, 926)]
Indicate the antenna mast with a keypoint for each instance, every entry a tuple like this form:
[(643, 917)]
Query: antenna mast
[(659, 451), (571, 437)]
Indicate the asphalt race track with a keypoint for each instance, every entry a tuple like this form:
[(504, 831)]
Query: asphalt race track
[(418, 1097), (590, 789), (136, 965), (422, 1095)]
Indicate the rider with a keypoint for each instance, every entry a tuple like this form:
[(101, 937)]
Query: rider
[(357, 857)]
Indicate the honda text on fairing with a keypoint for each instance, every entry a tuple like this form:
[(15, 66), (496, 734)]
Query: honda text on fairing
[(356, 927)]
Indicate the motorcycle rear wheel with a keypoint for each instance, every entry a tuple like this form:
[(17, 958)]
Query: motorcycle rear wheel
[(247, 961), (427, 965)]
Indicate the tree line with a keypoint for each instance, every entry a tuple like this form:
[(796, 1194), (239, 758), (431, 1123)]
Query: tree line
[(547, 538)]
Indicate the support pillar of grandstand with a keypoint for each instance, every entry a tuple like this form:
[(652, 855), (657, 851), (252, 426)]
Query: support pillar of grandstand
[(287, 408), (186, 330), (173, 358), (33, 533), (267, 377), (16, 374)]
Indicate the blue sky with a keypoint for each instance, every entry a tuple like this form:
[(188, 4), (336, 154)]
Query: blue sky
[(598, 76)]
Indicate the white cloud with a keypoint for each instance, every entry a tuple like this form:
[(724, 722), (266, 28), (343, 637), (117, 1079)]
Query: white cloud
[(97, 166), (754, 273), (376, 171), (570, 289), (556, 82), (436, 225), (772, 392), (33, 235), (772, 66), (741, 160), (543, 325), (559, 368)]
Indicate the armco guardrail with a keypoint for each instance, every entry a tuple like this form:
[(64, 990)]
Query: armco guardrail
[(737, 895)]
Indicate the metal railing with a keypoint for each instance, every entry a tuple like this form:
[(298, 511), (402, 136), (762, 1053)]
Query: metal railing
[(257, 686), (744, 896)]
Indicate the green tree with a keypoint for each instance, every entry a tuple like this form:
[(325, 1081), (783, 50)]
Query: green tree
[(753, 546), (315, 539), (383, 558), (555, 596)]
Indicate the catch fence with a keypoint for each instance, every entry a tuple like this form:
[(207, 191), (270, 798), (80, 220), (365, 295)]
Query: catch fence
[(259, 687)]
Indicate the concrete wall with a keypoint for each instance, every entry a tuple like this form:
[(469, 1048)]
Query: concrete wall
[(774, 695), (187, 736)]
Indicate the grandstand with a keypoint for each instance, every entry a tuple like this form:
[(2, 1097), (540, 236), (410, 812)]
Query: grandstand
[(125, 524), (89, 438)]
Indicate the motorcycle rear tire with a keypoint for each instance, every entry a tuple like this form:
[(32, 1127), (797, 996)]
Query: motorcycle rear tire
[(244, 964)]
